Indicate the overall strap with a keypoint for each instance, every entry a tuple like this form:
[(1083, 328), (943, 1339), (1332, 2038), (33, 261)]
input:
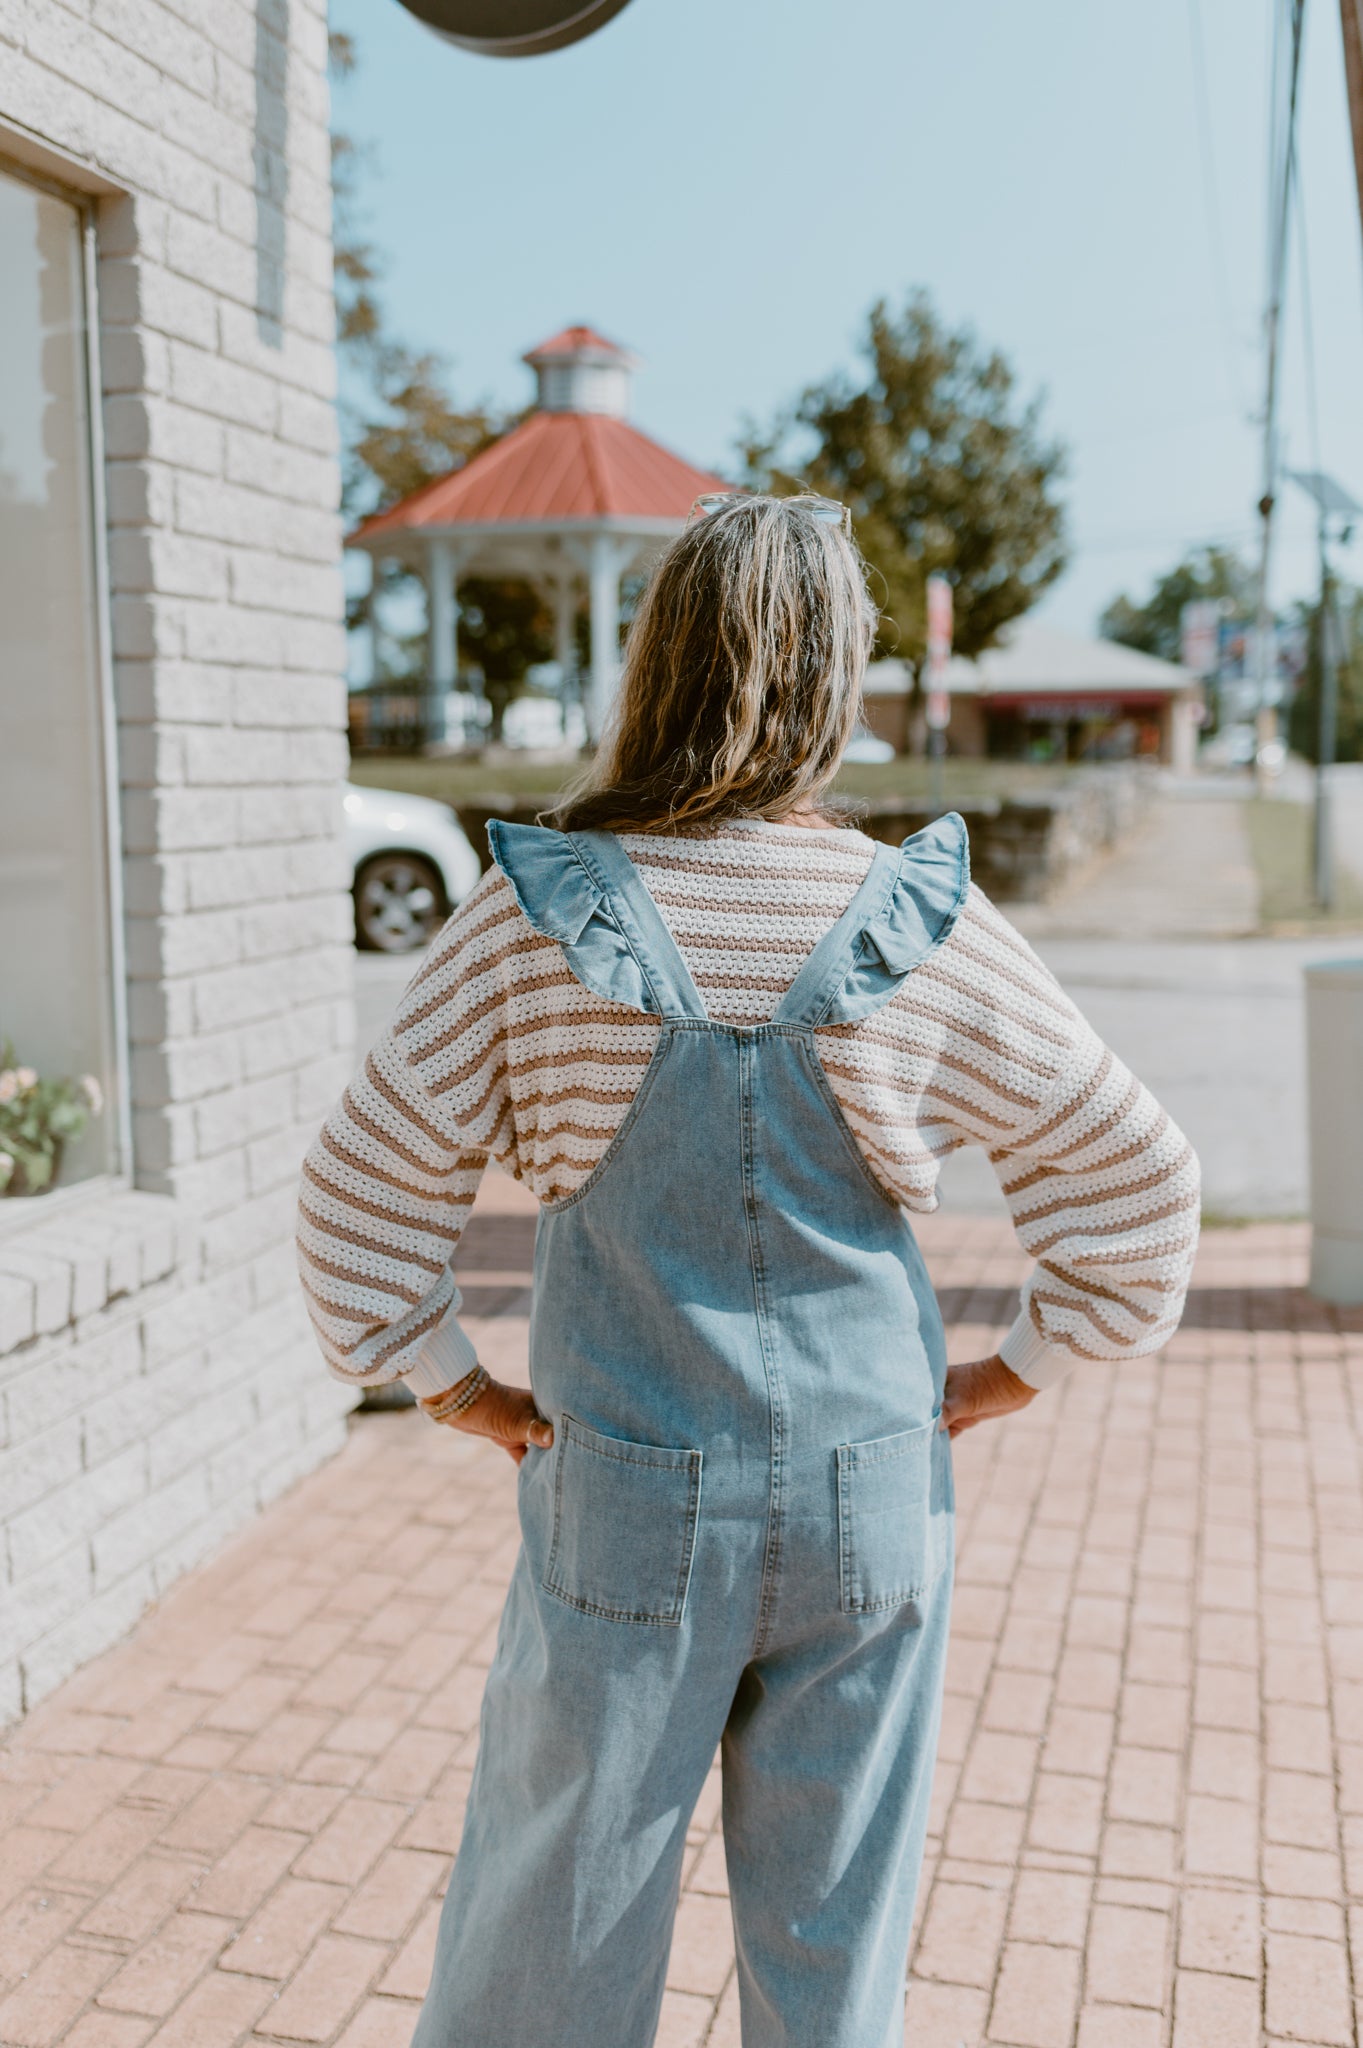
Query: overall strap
[(583, 890), (905, 909), (632, 908), (825, 971)]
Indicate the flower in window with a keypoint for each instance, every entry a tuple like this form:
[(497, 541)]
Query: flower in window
[(37, 1119)]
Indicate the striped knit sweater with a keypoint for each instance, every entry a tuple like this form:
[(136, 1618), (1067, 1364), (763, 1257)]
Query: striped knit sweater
[(496, 1051)]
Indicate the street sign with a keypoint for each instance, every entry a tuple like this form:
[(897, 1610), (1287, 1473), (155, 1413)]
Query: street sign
[(514, 28), (1330, 497), (939, 619), (1200, 636)]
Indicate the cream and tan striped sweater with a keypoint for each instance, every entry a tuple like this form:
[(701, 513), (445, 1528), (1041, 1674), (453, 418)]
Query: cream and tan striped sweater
[(496, 1051)]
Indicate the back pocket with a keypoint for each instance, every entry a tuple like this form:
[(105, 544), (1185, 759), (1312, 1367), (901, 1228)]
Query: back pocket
[(624, 1526), (892, 1533)]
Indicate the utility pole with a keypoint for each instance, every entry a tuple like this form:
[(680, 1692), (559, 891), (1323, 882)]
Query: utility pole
[(1351, 20), (1331, 501), (940, 627), (1282, 170), (1330, 656)]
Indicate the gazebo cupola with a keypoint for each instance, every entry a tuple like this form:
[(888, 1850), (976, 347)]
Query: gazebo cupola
[(575, 495), (580, 371)]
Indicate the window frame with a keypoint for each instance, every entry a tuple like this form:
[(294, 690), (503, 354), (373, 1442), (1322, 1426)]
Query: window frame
[(110, 939)]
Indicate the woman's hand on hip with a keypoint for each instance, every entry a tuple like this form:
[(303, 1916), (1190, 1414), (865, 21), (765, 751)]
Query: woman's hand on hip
[(981, 1392), (506, 1414)]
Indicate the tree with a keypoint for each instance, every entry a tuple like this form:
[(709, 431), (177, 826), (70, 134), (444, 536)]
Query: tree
[(1304, 717), (1156, 627), (943, 471), (504, 626), (401, 429)]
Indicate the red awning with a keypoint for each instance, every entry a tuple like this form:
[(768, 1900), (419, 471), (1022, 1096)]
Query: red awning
[(1074, 703)]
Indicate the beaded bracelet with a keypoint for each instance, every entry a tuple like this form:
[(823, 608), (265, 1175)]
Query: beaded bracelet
[(470, 1389)]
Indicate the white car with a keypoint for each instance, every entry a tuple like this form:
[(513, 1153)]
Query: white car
[(865, 746), (1233, 747), (413, 865)]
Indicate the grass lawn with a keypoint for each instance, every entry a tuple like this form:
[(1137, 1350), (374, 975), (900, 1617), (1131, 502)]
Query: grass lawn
[(1280, 840), (455, 781)]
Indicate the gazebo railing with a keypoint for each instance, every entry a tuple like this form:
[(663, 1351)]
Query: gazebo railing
[(405, 718)]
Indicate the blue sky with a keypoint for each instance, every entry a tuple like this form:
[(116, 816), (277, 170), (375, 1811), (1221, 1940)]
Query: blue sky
[(727, 185)]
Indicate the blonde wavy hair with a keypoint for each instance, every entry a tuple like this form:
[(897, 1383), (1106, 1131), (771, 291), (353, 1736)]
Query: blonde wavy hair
[(742, 676)]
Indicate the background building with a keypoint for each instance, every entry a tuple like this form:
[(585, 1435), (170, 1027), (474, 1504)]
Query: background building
[(1045, 695), (174, 908)]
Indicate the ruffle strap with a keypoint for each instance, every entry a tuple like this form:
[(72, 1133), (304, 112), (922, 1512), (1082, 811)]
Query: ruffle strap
[(562, 901), (582, 891), (918, 915)]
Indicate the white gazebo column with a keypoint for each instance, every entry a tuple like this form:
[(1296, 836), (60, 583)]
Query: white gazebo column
[(565, 648), (442, 602), (607, 559), (565, 613)]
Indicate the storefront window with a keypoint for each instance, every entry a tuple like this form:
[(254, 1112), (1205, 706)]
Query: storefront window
[(56, 1006)]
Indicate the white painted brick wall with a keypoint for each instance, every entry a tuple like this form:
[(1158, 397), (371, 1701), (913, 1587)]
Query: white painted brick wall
[(158, 1382)]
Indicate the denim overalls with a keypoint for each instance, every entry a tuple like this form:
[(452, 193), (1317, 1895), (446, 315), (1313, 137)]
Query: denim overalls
[(743, 1532)]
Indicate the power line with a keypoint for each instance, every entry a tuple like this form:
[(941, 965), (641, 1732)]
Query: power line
[(1211, 200), (1308, 331), (1164, 537)]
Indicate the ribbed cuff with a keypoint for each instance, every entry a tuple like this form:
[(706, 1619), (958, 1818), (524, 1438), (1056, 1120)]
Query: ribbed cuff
[(446, 1357), (1025, 1352)]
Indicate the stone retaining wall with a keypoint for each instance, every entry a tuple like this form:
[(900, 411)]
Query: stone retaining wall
[(1021, 847)]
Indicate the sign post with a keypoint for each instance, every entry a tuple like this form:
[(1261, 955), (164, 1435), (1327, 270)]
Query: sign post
[(1332, 501), (1200, 636), (939, 704)]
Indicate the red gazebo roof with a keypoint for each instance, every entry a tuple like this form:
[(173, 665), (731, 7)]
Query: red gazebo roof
[(554, 466), (577, 341)]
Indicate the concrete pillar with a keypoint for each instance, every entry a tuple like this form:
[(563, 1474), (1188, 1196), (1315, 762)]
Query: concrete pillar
[(1334, 1077), (606, 563), (1180, 735)]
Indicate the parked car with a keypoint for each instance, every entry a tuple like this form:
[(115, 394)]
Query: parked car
[(413, 865), (865, 746), (1233, 747)]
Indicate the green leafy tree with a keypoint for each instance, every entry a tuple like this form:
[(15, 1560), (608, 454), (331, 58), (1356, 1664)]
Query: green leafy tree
[(943, 468), (504, 626), (1304, 717), (1156, 627), (401, 430)]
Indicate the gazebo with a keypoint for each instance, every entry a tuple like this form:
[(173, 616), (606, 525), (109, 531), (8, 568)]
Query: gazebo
[(574, 492)]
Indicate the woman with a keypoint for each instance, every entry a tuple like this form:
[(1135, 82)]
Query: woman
[(726, 1041)]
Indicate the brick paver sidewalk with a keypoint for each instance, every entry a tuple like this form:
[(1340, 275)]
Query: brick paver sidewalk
[(1149, 1815)]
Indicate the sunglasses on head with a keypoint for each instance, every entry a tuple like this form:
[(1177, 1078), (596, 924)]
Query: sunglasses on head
[(827, 511)]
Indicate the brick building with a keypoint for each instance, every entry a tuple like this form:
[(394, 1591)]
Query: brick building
[(174, 907), (1046, 695)]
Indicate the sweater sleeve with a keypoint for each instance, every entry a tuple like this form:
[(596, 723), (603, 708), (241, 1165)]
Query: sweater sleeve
[(1104, 1191), (386, 1191), (983, 1047)]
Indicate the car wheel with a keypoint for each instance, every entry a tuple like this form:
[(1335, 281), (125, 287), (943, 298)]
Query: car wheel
[(399, 902)]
